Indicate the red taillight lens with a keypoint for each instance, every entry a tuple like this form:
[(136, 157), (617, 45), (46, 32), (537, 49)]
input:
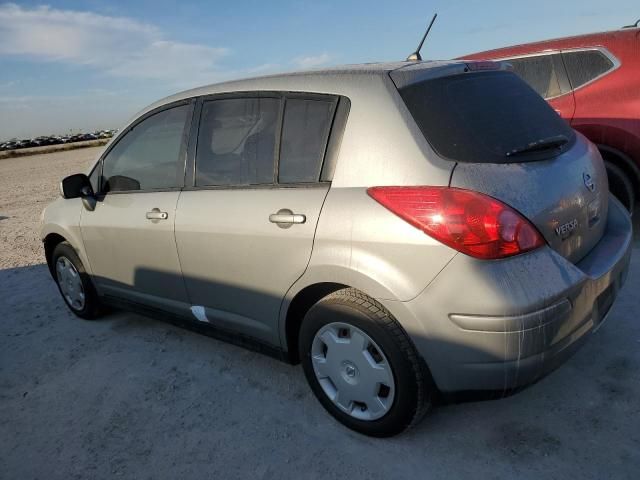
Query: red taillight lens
[(470, 222)]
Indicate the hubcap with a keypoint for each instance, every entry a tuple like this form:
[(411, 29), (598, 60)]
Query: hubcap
[(70, 283), (353, 371)]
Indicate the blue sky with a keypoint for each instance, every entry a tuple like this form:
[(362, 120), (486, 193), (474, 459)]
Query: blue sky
[(67, 65)]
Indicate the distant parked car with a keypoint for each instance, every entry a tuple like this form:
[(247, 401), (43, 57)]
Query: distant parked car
[(29, 143), (48, 140), (593, 82), (399, 229)]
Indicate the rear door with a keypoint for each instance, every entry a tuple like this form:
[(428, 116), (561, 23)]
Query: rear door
[(245, 228), (129, 237)]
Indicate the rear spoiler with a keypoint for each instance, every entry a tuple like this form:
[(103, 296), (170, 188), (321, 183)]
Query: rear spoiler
[(421, 71)]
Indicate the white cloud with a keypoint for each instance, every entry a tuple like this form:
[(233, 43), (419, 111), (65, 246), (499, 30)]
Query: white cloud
[(312, 60), (119, 46)]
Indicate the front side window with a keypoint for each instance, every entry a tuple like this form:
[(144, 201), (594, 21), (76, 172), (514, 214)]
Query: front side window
[(148, 156), (584, 66), (304, 139), (236, 141), (539, 72)]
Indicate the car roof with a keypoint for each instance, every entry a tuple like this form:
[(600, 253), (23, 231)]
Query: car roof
[(575, 41), (299, 81)]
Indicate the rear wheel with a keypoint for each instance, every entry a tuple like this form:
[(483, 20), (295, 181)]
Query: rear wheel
[(74, 283), (362, 366)]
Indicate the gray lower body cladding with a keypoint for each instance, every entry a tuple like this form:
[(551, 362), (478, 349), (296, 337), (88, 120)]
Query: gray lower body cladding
[(500, 325)]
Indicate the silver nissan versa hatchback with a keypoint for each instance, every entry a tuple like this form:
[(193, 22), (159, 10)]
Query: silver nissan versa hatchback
[(403, 230)]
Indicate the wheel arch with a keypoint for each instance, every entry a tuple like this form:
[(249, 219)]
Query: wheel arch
[(296, 310), (50, 242), (622, 160), (317, 282)]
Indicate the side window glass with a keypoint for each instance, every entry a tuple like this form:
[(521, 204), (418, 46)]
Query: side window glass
[(539, 72), (304, 139), (148, 156), (584, 66), (236, 141)]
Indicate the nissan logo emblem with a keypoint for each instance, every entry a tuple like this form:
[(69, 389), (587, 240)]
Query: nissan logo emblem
[(588, 182)]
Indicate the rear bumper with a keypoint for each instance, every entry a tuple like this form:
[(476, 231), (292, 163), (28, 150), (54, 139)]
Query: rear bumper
[(499, 325)]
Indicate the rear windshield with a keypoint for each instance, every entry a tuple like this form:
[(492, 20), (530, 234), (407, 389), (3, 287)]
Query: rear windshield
[(478, 117)]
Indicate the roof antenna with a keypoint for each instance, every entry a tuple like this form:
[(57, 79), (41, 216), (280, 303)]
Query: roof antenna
[(633, 25), (415, 56)]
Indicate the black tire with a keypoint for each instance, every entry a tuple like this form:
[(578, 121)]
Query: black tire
[(92, 308), (621, 186), (414, 388)]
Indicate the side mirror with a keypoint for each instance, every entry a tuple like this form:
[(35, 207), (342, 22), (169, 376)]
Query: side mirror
[(76, 186)]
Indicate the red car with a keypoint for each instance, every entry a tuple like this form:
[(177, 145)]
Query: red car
[(592, 81)]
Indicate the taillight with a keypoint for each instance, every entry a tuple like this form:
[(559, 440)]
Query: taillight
[(470, 222)]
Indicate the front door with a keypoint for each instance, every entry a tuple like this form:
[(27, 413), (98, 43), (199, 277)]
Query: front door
[(245, 230), (129, 237)]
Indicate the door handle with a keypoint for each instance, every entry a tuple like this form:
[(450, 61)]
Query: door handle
[(156, 214), (285, 218)]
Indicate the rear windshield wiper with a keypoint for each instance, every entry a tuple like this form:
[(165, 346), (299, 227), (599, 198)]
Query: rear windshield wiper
[(540, 145)]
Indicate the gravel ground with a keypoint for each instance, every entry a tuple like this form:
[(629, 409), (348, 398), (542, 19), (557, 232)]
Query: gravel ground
[(131, 397)]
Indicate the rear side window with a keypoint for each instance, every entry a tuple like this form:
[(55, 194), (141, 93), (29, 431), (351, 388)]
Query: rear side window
[(584, 66), (236, 141), (304, 139), (539, 72), (479, 117), (148, 156)]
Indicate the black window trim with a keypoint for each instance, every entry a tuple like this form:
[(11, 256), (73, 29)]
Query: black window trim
[(340, 110), (342, 106), (564, 74), (336, 133), (182, 155)]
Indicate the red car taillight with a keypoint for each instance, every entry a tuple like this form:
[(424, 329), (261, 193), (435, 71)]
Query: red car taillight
[(470, 222)]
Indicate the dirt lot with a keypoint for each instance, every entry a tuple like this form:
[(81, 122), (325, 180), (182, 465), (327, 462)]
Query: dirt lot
[(131, 397), (62, 147)]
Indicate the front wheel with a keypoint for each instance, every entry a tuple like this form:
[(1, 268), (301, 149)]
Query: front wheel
[(362, 366), (74, 283)]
